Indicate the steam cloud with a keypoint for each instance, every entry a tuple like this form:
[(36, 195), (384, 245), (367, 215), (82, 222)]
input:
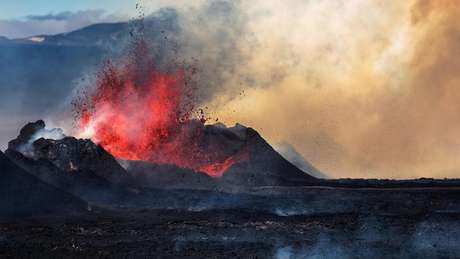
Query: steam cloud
[(28, 148), (359, 88)]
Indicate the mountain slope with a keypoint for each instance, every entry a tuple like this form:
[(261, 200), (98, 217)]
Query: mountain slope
[(291, 154), (263, 165), (249, 161), (22, 194), (77, 166)]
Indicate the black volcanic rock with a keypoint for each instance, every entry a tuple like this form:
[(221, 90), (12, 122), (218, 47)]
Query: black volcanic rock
[(69, 155), (26, 134), (253, 161), (84, 184), (291, 154), (22, 194), (258, 164), (167, 176)]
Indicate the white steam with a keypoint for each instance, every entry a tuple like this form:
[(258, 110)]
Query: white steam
[(27, 149)]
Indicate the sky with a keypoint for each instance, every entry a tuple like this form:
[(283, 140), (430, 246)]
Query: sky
[(25, 18), (19, 9)]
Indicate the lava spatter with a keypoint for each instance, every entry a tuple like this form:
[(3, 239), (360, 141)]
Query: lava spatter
[(137, 111)]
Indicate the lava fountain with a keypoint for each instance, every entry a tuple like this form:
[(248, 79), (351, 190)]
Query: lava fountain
[(139, 112)]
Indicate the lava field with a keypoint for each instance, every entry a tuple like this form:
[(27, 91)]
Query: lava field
[(69, 197)]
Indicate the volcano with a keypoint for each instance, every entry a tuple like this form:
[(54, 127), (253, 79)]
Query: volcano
[(253, 162), (88, 170), (139, 111)]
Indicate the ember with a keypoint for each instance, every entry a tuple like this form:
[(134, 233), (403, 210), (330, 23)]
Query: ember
[(138, 112)]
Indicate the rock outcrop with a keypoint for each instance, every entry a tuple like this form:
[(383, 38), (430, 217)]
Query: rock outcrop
[(22, 194), (74, 165), (68, 154), (258, 164)]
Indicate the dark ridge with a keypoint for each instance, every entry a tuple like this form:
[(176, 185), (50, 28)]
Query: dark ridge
[(256, 162), (26, 133), (264, 166), (22, 194), (69, 154)]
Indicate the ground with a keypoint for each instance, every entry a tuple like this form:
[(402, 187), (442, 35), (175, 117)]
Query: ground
[(297, 222)]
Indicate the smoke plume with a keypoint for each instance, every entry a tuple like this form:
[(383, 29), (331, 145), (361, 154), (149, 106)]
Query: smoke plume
[(359, 88)]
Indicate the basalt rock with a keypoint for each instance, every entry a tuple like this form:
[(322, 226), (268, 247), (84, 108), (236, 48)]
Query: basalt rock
[(151, 175), (252, 161), (81, 183), (68, 154), (260, 165), (26, 134), (22, 194)]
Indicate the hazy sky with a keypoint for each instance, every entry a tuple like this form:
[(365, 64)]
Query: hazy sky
[(21, 8)]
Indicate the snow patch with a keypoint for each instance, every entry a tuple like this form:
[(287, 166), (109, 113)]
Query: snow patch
[(37, 39)]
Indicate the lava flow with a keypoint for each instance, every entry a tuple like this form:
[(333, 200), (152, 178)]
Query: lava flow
[(138, 112)]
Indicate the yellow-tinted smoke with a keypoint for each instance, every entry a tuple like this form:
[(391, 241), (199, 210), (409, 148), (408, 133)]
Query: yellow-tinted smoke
[(360, 88)]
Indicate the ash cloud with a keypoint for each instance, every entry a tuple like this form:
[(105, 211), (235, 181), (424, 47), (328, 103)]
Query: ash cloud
[(359, 88)]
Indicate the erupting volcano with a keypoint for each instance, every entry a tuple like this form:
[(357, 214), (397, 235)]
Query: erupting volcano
[(138, 111)]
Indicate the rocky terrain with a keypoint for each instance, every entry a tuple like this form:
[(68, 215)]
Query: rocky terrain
[(64, 197), (310, 223)]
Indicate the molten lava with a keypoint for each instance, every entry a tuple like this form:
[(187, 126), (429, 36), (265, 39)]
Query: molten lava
[(138, 112)]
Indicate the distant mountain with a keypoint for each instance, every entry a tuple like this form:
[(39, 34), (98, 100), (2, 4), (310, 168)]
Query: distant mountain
[(110, 36), (104, 35)]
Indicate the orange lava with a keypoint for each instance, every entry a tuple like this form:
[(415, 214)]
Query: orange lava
[(138, 112)]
